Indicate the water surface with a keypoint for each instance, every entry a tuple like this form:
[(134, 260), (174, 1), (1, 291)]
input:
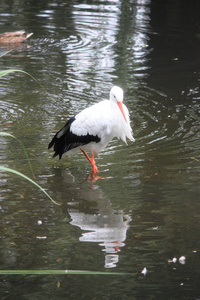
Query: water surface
[(146, 212)]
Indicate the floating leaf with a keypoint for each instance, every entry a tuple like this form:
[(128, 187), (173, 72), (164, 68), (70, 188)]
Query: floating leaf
[(173, 260), (144, 271), (182, 260)]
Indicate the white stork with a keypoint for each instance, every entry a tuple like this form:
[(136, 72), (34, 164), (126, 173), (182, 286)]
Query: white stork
[(94, 127)]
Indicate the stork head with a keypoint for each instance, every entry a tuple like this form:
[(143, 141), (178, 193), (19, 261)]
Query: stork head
[(116, 94)]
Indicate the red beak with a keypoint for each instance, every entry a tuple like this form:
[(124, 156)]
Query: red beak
[(122, 111)]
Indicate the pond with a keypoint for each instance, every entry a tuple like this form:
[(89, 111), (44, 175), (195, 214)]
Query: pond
[(143, 217)]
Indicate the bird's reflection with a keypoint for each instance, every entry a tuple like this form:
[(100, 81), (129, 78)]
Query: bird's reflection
[(92, 178), (93, 213), (14, 47), (106, 229)]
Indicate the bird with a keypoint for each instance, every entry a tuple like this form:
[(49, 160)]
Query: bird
[(14, 37), (94, 127)]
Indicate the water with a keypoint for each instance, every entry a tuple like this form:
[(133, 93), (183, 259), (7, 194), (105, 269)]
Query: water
[(146, 211)]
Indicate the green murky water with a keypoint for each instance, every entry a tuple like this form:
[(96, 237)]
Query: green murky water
[(146, 212)]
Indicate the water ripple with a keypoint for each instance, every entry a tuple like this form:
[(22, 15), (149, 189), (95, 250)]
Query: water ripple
[(164, 126), (9, 112)]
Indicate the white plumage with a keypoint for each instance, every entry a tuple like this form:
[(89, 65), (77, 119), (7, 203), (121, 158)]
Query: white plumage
[(94, 127)]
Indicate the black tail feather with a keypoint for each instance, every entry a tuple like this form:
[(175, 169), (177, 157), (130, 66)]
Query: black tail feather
[(60, 139), (64, 140)]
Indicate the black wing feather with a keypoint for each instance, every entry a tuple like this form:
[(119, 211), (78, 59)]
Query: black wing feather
[(64, 140)]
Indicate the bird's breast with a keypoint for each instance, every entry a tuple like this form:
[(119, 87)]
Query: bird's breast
[(104, 120)]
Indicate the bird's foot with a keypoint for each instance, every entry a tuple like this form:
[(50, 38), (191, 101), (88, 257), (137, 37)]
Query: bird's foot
[(94, 169), (92, 162), (92, 177)]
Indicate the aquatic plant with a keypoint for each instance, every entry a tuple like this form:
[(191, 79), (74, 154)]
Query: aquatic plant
[(29, 179), (3, 73), (59, 272), (19, 173), (21, 144), (6, 72)]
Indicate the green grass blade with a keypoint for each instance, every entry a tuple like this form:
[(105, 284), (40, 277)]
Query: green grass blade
[(60, 272), (5, 53), (21, 144), (5, 72), (29, 179)]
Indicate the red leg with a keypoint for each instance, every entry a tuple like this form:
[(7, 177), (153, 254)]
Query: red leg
[(92, 162), (94, 167)]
